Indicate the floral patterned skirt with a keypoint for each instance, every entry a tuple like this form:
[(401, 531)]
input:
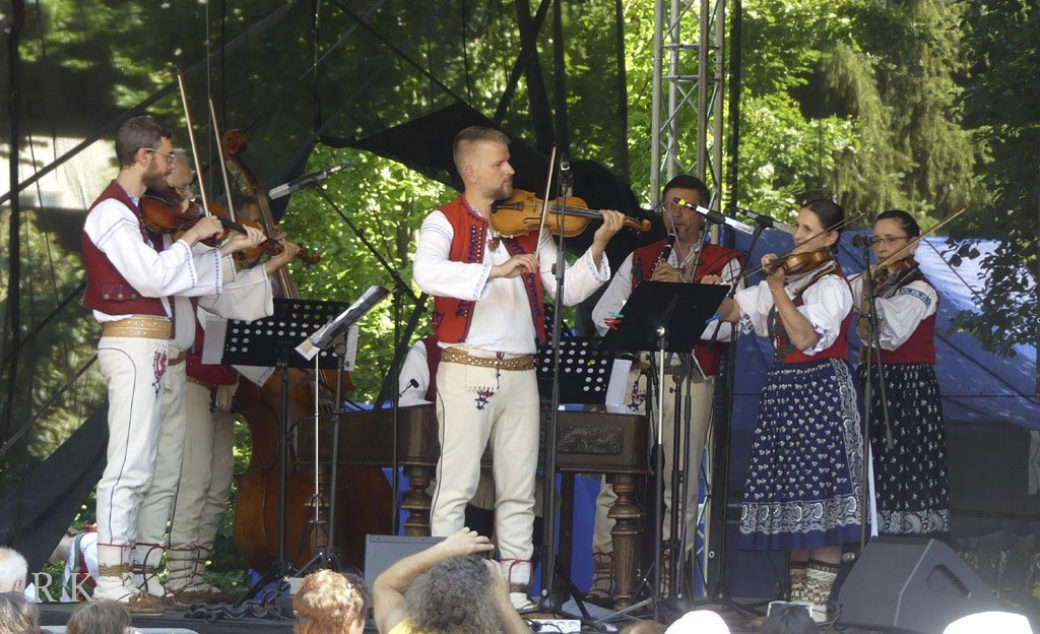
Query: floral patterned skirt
[(910, 477), (804, 481)]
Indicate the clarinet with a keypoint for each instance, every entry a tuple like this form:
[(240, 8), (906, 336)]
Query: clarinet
[(666, 252)]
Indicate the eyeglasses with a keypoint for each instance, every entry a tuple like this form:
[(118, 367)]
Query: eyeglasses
[(170, 158), (890, 239)]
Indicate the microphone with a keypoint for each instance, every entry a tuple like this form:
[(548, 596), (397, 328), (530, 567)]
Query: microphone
[(764, 221), (864, 240), (566, 178), (411, 385), (305, 181), (716, 217)]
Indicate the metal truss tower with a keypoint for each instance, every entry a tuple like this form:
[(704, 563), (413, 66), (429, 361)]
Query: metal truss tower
[(688, 78), (686, 130)]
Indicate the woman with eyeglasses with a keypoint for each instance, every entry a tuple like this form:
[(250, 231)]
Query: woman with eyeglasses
[(910, 475)]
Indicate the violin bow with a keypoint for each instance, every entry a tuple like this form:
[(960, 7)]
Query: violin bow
[(223, 164), (784, 254), (191, 139), (901, 253), (545, 201)]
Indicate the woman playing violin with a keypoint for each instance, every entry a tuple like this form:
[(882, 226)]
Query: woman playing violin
[(911, 475), (802, 492)]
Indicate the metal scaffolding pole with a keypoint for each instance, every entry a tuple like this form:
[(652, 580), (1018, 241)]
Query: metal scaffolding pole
[(686, 131)]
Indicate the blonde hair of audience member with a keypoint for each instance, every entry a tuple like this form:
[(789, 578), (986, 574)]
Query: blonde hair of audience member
[(17, 615), (645, 627), (13, 570), (100, 616), (330, 602)]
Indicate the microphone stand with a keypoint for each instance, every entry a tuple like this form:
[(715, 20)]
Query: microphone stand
[(548, 602), (872, 344), (719, 490), (391, 383)]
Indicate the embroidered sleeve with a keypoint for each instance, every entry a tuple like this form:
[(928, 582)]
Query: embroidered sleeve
[(116, 231), (755, 304), (826, 304), (726, 330), (614, 298), (901, 314)]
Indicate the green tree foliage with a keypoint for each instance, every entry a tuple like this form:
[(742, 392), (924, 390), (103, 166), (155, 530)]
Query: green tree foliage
[(1002, 96)]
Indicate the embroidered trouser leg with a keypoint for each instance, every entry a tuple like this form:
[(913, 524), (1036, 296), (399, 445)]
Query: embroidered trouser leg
[(133, 369), (158, 499), (475, 405), (701, 397), (206, 472)]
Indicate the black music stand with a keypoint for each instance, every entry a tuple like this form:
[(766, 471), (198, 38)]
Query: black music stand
[(584, 371), (663, 317), (333, 335), (584, 378), (269, 342)]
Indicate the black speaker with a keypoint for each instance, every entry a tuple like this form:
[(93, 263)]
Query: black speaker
[(382, 551), (911, 585)]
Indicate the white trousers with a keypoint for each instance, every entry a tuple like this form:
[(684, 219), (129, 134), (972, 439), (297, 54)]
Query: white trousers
[(134, 370), (474, 406), (158, 499), (206, 472), (701, 397)]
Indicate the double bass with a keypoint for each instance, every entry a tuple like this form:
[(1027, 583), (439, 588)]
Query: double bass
[(363, 495)]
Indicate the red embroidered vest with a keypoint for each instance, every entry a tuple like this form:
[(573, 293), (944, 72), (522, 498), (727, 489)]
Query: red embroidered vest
[(451, 316), (786, 352), (713, 260), (433, 359), (107, 289)]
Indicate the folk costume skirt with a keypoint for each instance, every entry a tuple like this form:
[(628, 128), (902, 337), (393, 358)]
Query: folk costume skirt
[(804, 483), (910, 478)]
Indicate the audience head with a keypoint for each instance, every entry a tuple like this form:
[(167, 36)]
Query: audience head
[(99, 616), (17, 615), (453, 597), (645, 627), (13, 570), (788, 619), (330, 602), (986, 622), (699, 622)]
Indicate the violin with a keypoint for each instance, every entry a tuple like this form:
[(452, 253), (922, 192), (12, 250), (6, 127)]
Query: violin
[(799, 263), (888, 278), (521, 213), (164, 212)]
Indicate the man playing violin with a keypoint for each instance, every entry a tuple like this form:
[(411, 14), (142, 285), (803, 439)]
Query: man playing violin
[(188, 426), (208, 462), (803, 487), (690, 259), (131, 274), (911, 475), (488, 318)]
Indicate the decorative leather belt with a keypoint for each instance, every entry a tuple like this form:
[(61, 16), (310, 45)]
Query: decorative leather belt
[(460, 356), (140, 327)]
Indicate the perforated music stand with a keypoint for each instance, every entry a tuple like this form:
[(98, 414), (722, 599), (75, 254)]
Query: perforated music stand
[(663, 317), (584, 370)]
